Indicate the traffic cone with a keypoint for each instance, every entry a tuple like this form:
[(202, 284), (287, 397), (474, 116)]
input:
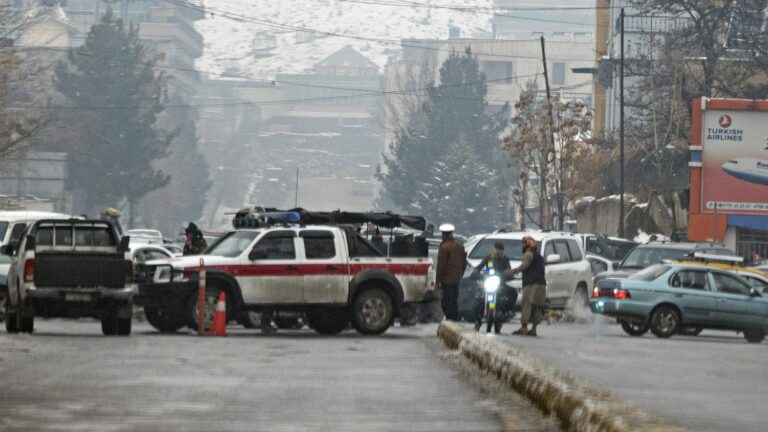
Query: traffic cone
[(219, 327)]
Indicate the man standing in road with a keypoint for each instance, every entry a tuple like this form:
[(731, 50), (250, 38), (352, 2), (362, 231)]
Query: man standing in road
[(534, 287), (451, 259)]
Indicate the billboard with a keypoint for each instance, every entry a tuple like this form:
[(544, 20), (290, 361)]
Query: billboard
[(735, 161)]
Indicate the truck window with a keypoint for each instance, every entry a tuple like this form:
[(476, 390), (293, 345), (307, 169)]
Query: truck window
[(63, 235), (360, 247), (17, 231), (44, 236), (276, 245), (93, 236), (318, 244)]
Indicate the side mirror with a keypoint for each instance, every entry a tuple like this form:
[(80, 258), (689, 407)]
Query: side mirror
[(7, 249), (125, 244), (754, 293), (553, 259)]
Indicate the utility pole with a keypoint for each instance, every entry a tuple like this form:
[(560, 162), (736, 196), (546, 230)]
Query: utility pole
[(621, 129), (542, 181)]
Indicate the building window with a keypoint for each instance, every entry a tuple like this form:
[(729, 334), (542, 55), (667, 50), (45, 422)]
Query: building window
[(558, 73), (498, 71)]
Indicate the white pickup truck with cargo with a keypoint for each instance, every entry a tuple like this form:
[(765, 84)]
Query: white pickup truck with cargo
[(328, 272)]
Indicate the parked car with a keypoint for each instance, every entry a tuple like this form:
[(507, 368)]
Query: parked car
[(142, 253), (685, 298), (611, 248), (5, 264), (70, 268), (648, 254), (143, 235), (569, 275), (330, 273)]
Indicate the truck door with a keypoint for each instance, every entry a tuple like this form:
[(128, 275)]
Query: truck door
[(325, 268), (273, 275)]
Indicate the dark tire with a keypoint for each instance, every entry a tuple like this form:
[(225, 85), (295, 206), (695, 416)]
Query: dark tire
[(373, 311), (124, 326), (27, 324), (328, 321), (665, 321), (109, 324), (691, 331), (250, 319), (634, 328), (163, 319), (11, 320), (754, 336)]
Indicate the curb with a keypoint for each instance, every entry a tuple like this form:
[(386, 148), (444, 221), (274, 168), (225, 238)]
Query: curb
[(579, 406)]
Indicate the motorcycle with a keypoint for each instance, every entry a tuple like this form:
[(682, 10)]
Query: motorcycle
[(493, 315)]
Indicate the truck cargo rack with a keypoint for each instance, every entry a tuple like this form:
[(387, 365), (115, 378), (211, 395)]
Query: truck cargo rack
[(259, 217)]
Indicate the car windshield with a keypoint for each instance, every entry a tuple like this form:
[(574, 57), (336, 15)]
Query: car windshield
[(651, 273), (512, 248), (233, 244), (642, 257)]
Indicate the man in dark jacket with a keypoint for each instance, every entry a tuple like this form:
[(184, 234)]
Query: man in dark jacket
[(194, 243), (534, 287), (451, 260)]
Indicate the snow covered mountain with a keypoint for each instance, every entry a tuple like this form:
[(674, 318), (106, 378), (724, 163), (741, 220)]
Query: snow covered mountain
[(260, 38)]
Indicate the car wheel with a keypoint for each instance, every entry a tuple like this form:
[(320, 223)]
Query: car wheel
[(634, 328), (665, 321), (250, 320), (754, 336), (27, 323), (11, 320), (328, 321), (691, 331), (124, 326), (163, 319), (373, 311), (109, 323)]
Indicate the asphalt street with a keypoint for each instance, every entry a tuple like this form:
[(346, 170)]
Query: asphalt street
[(712, 382), (68, 377)]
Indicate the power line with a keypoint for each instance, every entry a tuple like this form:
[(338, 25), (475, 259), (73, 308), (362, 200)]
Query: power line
[(274, 102)]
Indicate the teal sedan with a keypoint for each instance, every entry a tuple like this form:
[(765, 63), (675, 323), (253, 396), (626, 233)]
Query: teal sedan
[(670, 299)]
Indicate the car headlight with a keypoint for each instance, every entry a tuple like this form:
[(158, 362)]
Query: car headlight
[(491, 284), (163, 274)]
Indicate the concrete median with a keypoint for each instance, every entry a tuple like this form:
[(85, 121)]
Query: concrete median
[(579, 406)]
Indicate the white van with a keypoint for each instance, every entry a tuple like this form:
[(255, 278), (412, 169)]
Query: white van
[(14, 222)]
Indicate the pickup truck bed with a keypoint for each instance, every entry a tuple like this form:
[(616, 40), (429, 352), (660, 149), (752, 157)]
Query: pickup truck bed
[(80, 270)]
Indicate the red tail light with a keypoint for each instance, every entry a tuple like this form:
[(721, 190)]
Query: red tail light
[(595, 292), (621, 294), (29, 270)]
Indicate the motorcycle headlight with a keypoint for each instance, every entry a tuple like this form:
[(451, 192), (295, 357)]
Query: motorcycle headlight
[(491, 284)]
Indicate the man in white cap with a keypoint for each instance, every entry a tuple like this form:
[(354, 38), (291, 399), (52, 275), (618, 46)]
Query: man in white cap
[(451, 260)]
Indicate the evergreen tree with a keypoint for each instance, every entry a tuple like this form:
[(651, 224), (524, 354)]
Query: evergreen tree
[(116, 97), (454, 120)]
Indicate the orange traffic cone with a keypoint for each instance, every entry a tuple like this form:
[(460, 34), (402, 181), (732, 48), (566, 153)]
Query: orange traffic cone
[(219, 327)]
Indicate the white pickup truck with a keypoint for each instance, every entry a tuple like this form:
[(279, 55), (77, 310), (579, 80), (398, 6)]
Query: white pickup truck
[(328, 272)]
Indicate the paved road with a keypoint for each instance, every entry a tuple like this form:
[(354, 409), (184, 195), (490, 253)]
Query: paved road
[(67, 377), (713, 382)]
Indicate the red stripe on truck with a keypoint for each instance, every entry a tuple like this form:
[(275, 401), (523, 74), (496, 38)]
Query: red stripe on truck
[(327, 269)]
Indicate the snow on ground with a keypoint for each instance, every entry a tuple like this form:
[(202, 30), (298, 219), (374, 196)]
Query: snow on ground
[(238, 34)]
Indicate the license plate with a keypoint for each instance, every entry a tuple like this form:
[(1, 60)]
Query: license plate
[(77, 297)]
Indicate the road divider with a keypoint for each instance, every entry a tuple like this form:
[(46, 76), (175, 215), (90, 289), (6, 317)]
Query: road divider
[(579, 406)]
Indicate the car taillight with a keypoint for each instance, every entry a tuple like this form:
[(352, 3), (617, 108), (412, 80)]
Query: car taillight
[(29, 270), (621, 294), (595, 292)]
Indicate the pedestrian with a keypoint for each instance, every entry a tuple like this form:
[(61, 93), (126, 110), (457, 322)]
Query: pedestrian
[(534, 287), (194, 243), (499, 263), (451, 261)]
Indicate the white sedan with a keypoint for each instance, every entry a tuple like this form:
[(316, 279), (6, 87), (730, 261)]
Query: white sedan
[(147, 252)]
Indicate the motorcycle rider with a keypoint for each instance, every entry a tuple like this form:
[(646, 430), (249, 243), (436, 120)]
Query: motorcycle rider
[(499, 262), (534, 287)]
